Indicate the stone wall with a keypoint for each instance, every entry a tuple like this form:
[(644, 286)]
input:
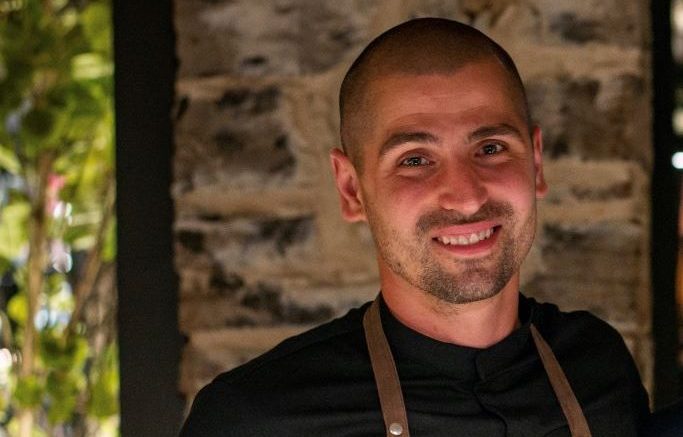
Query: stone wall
[(261, 250)]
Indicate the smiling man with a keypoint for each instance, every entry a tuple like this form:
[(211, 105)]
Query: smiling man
[(440, 158)]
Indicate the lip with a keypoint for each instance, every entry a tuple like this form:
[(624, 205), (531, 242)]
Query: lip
[(467, 229), (478, 249)]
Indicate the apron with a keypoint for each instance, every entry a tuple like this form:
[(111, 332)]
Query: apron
[(389, 387)]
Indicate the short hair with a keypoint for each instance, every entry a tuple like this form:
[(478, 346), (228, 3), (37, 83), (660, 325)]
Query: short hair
[(418, 46)]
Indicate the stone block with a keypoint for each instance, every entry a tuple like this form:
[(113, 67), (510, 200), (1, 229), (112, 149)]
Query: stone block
[(583, 192), (214, 201), (259, 37), (220, 254), (599, 267), (452, 9), (235, 136), (500, 19), (600, 252), (593, 117), (254, 304), (572, 179), (263, 303), (583, 21), (576, 22), (612, 301)]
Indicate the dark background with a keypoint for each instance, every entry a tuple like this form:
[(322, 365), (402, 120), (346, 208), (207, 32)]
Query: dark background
[(149, 341)]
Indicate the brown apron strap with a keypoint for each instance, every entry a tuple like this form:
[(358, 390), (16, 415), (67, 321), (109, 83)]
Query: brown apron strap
[(386, 376), (570, 405), (389, 387)]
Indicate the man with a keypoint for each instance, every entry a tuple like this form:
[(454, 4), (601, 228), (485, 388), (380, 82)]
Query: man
[(441, 160)]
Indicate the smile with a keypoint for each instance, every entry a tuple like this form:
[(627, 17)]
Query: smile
[(466, 239)]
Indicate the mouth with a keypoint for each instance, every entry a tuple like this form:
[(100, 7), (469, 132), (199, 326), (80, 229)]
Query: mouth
[(468, 240)]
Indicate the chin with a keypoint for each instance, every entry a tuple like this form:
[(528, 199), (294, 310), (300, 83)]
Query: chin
[(449, 289)]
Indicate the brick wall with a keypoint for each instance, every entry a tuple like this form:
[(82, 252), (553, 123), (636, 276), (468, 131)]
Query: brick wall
[(261, 250)]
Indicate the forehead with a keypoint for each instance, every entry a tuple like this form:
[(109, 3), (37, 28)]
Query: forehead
[(474, 91), (480, 84)]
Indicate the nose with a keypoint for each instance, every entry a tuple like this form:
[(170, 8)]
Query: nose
[(462, 188)]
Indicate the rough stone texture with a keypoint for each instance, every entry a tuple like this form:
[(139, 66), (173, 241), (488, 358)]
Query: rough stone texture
[(612, 122), (235, 136), (584, 21), (263, 37), (261, 250)]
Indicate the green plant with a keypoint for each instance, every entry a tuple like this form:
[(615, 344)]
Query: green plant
[(56, 216)]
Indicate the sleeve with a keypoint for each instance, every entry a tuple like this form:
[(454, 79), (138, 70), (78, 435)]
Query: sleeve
[(226, 408), (206, 418), (620, 356)]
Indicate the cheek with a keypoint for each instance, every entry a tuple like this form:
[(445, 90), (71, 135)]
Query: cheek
[(514, 186), (407, 198), (398, 203)]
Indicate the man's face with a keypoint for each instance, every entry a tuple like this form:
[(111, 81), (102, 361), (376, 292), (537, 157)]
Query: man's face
[(450, 178)]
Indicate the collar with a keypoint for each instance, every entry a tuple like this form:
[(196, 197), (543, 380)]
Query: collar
[(415, 352)]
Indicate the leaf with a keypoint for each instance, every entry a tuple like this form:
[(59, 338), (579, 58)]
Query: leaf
[(8, 160), (62, 389), (5, 266), (97, 26), (104, 393), (90, 66), (62, 409), (39, 123), (17, 308), (28, 392), (61, 352), (60, 383), (104, 400), (13, 429), (109, 246), (13, 232)]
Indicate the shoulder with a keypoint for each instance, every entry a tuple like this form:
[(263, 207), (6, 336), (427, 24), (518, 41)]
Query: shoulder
[(581, 337), (597, 362), (268, 385), (306, 349), (574, 328)]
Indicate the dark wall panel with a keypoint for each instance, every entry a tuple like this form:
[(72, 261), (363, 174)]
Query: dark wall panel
[(148, 335)]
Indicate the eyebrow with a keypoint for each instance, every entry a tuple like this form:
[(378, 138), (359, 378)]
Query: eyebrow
[(502, 129), (400, 138)]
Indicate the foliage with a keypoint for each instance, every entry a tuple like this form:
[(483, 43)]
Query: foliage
[(58, 359)]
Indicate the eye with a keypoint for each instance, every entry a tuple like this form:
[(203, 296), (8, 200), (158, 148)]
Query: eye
[(414, 161), (491, 149)]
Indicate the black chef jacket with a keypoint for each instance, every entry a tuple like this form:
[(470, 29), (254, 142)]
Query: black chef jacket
[(320, 383)]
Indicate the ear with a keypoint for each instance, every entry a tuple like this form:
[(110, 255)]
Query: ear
[(348, 186), (541, 185)]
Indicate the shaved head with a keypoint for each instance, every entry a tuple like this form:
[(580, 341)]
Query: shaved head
[(417, 47)]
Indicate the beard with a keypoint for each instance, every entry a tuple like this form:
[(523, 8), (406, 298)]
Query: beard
[(473, 283), (458, 281)]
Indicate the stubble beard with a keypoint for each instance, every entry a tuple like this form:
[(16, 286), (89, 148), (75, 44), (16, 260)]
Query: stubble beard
[(473, 283), (466, 281)]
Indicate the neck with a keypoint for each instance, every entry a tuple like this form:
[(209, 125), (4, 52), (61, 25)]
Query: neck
[(477, 324)]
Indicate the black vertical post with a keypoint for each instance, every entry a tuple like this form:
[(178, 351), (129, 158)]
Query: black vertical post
[(149, 341), (665, 199)]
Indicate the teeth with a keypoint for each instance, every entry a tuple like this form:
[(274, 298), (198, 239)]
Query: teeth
[(465, 240)]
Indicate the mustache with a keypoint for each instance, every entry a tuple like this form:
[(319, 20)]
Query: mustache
[(443, 218)]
